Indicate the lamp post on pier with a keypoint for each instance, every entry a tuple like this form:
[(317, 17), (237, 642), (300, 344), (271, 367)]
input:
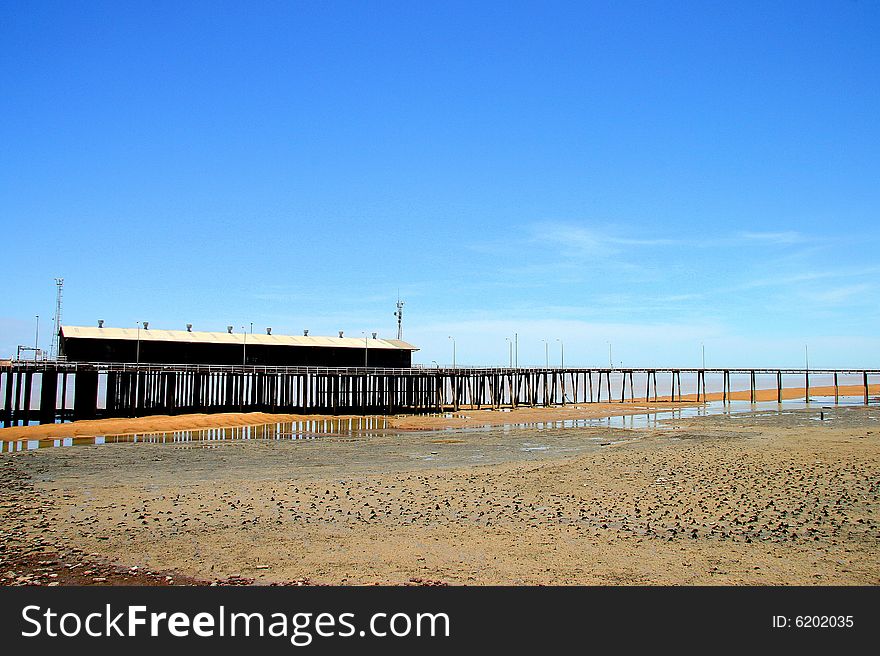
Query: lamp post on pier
[(137, 355)]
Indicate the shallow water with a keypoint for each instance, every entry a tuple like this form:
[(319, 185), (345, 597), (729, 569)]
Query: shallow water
[(365, 427)]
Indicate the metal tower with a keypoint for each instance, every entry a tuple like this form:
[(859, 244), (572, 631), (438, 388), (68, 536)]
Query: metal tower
[(56, 340), (399, 315)]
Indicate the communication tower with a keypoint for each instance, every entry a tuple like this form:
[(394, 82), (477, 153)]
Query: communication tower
[(56, 339), (399, 315)]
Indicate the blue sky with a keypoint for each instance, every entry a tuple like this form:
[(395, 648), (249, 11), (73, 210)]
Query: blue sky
[(654, 175)]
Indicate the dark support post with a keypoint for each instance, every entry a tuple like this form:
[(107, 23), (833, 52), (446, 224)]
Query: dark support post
[(48, 394), (836, 390), (7, 404), (85, 389), (779, 387), (171, 393), (15, 408), (752, 387), (26, 410), (112, 394), (865, 375)]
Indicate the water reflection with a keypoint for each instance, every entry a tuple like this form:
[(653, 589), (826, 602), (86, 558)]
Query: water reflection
[(370, 426), (297, 430)]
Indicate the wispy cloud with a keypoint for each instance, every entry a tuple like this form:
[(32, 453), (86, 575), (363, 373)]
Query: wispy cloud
[(576, 240), (840, 295), (791, 280), (785, 237)]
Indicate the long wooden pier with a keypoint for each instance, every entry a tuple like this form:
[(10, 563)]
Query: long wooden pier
[(50, 391)]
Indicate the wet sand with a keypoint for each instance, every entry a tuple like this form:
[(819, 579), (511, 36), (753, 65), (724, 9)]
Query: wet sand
[(467, 417), (752, 498)]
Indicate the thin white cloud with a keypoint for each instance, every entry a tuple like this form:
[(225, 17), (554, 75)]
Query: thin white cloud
[(839, 295), (784, 237)]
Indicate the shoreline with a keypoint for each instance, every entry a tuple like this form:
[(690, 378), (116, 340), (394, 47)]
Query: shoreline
[(464, 418)]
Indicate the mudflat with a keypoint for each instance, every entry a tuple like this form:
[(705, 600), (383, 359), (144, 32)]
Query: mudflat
[(771, 497)]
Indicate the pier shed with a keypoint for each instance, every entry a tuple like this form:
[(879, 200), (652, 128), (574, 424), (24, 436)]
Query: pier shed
[(100, 344)]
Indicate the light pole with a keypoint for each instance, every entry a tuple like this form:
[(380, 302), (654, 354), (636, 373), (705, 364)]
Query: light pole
[(366, 348), (561, 353), (137, 356), (546, 354), (509, 351), (244, 347), (453, 350), (516, 350), (436, 366), (37, 339), (704, 355), (610, 362)]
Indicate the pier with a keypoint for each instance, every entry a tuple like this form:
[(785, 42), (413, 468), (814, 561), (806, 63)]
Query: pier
[(52, 391)]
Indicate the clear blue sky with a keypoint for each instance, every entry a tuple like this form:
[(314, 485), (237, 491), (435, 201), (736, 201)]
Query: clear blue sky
[(654, 175)]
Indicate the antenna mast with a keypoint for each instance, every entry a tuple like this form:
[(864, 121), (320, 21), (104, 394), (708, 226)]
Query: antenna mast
[(56, 340), (399, 315)]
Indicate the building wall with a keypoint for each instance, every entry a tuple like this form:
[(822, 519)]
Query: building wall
[(109, 350)]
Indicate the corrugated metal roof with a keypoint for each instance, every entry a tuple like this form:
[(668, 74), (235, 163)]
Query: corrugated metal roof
[(156, 335)]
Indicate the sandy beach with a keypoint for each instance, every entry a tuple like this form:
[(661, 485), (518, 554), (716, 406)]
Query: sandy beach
[(747, 498)]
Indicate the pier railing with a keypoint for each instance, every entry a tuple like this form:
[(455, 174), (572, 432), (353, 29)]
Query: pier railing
[(48, 391)]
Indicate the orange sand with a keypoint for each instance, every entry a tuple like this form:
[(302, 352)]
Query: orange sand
[(465, 418)]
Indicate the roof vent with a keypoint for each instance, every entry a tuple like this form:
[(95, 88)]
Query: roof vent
[(306, 332), (146, 325), (229, 329), (340, 333), (189, 327), (268, 331), (374, 335), (100, 323)]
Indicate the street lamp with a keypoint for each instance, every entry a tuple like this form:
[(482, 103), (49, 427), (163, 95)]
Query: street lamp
[(137, 357), (366, 348), (453, 350), (704, 355), (436, 366), (516, 350), (244, 347), (610, 362), (509, 351), (561, 353), (546, 354), (37, 339)]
